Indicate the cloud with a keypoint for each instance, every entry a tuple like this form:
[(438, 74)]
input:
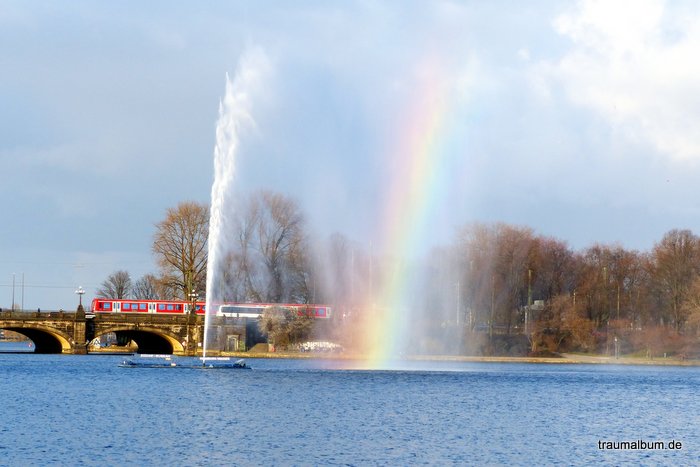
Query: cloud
[(635, 64)]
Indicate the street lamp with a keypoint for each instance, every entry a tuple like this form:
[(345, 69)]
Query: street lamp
[(80, 293), (193, 299), (191, 320)]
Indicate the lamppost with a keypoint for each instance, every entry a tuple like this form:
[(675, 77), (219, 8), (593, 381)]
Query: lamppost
[(529, 300), (191, 347), (80, 293), (193, 300), (606, 303), (493, 305)]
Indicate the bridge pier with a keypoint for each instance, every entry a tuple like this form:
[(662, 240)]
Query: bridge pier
[(80, 333)]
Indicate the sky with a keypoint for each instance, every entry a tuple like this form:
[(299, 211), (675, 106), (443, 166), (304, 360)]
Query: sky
[(577, 119)]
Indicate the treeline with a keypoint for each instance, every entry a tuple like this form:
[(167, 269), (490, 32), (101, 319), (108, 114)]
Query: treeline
[(603, 298), (495, 281), (492, 280)]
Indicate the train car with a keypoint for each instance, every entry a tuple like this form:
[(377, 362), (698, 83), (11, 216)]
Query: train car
[(111, 305), (254, 310), (314, 311), (310, 310), (178, 307), (200, 308), (242, 310)]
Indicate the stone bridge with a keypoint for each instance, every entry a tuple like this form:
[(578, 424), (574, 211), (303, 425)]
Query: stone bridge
[(70, 333)]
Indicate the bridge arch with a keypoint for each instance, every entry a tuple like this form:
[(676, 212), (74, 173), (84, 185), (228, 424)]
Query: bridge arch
[(148, 339), (46, 339)]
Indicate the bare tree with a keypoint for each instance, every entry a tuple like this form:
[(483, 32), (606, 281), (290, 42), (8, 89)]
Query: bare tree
[(147, 288), (515, 248), (478, 246), (691, 306), (246, 258), (272, 255), (117, 285), (180, 245), (337, 283), (553, 269), (498, 262), (280, 236), (676, 264)]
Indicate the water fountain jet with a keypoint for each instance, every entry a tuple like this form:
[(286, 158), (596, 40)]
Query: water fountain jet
[(234, 115)]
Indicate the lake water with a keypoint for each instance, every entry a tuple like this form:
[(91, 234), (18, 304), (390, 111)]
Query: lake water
[(85, 410)]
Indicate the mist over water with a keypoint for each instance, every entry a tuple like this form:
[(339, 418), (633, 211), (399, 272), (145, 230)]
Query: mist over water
[(234, 117), (408, 311), (416, 306), (392, 302)]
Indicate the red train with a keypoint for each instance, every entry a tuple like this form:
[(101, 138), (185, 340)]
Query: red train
[(174, 307)]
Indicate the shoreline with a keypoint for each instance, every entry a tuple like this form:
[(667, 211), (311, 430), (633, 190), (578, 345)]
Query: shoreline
[(564, 359), (568, 359)]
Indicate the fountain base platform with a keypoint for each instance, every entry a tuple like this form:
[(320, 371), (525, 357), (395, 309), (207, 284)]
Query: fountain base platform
[(168, 361)]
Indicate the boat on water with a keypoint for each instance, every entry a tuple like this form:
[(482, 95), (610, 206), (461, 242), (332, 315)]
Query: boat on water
[(168, 361)]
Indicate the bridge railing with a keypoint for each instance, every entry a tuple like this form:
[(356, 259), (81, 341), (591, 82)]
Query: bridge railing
[(9, 314)]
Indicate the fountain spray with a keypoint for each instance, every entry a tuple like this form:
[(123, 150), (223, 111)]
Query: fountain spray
[(234, 116)]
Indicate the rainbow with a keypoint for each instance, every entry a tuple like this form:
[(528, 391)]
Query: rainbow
[(419, 166)]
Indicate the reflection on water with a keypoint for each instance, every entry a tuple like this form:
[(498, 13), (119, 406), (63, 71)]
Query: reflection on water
[(81, 410)]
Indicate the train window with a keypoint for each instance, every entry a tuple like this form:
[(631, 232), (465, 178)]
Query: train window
[(178, 307), (106, 306), (126, 306), (142, 306), (170, 307), (161, 306)]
